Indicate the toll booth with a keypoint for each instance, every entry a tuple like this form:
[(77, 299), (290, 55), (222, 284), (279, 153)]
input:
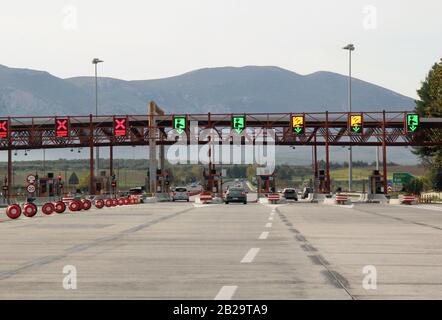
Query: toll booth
[(163, 181), (321, 181), (49, 186), (212, 181), (376, 183), (266, 183), (102, 183)]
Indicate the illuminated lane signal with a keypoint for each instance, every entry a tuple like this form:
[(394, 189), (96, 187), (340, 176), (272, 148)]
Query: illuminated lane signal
[(413, 122), (62, 127), (239, 123), (356, 123), (4, 128), (120, 127), (179, 123), (298, 124)]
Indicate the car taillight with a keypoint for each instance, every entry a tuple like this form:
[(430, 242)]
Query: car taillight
[(243, 193), (174, 193)]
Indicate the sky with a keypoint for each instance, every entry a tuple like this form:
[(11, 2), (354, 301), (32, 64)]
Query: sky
[(397, 41)]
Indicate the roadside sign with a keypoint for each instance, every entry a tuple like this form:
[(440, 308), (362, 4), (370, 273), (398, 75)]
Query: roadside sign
[(31, 179), (30, 188), (402, 177), (73, 179)]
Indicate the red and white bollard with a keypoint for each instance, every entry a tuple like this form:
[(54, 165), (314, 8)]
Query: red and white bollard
[(48, 208), (99, 203), (60, 207), (75, 206), (13, 211), (86, 204), (29, 210)]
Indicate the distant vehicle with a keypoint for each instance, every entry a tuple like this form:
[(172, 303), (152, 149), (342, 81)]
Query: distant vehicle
[(235, 194), (306, 192), (290, 194), (137, 190), (180, 193)]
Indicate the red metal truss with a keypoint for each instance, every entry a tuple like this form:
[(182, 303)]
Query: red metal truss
[(84, 131)]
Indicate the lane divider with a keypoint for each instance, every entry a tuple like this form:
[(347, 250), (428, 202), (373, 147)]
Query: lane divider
[(250, 255), (226, 293)]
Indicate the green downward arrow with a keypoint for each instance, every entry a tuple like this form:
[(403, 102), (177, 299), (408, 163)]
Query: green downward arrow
[(298, 130), (356, 129), (412, 128)]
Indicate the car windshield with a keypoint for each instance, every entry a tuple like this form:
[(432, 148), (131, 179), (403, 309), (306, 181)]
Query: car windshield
[(180, 189), (236, 190), (289, 191)]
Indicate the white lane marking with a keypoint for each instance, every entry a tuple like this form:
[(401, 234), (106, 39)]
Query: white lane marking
[(271, 218), (273, 213), (264, 235), (268, 225), (425, 207), (250, 255), (226, 293)]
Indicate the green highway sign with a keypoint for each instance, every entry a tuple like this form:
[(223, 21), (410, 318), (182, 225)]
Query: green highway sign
[(413, 122), (239, 123), (402, 177), (179, 123)]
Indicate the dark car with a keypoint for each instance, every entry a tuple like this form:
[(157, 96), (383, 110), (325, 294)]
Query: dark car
[(235, 194), (290, 194)]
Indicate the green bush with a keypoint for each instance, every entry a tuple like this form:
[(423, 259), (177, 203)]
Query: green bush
[(414, 186)]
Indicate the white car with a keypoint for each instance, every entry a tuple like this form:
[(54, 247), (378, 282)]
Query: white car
[(180, 193)]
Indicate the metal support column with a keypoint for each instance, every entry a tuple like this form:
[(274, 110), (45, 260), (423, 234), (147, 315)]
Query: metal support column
[(91, 157), (9, 159), (327, 157), (111, 166), (9, 173), (384, 152), (152, 149)]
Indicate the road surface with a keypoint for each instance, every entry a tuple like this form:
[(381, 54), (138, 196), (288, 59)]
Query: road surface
[(253, 251)]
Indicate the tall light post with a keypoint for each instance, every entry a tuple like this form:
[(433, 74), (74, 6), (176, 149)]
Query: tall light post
[(96, 61), (350, 47)]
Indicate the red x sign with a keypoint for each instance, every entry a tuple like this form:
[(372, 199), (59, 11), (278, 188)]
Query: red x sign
[(61, 127), (120, 128), (3, 128)]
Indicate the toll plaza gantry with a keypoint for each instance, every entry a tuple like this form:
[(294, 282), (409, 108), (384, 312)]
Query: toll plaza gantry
[(316, 129)]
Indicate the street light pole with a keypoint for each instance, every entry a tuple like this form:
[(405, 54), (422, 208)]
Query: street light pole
[(350, 48), (96, 61)]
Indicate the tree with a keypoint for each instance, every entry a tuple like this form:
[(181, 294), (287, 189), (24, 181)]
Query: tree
[(430, 105), (414, 186)]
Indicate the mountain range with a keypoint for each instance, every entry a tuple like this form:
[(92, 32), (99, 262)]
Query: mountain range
[(224, 89)]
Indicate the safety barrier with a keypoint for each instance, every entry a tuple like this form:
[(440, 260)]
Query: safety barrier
[(408, 200), (206, 198), (341, 198), (273, 197), (30, 209)]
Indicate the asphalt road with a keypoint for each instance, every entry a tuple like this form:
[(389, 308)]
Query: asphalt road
[(188, 251)]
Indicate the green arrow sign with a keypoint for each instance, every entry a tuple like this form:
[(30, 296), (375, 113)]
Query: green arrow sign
[(238, 123), (179, 124), (356, 129), (412, 122)]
